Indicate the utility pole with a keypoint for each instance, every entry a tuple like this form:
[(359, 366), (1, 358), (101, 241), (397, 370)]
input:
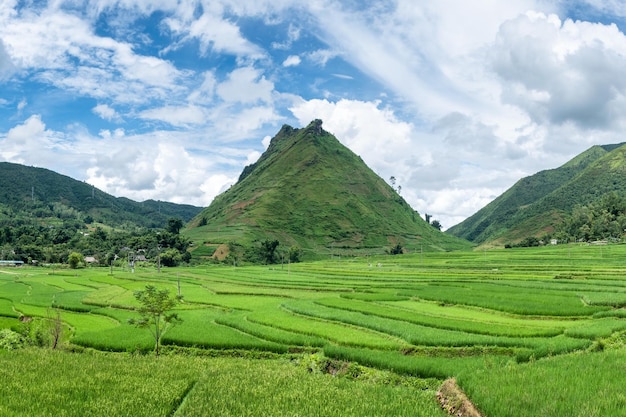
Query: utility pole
[(159, 258)]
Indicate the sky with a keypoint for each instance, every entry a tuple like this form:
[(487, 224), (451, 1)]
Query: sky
[(170, 99)]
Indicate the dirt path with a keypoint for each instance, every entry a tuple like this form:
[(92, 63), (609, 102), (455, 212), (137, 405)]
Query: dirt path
[(454, 401)]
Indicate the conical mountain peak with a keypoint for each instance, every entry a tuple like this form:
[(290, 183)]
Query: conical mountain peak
[(309, 190)]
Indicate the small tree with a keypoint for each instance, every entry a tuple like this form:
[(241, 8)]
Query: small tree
[(268, 251), (56, 327), (174, 225), (397, 249), (171, 257), (75, 259), (154, 311), (295, 254)]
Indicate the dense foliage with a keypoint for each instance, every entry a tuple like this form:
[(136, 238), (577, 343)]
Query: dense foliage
[(49, 241), (534, 205), (46, 217), (602, 220)]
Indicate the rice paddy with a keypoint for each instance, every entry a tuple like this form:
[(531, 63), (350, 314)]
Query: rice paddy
[(436, 315)]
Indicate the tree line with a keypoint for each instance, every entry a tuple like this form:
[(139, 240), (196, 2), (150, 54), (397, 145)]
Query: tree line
[(34, 242), (603, 219)]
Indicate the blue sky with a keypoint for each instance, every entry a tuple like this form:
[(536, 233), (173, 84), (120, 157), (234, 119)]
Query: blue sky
[(170, 99)]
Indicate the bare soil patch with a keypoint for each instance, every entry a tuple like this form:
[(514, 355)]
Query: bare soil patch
[(454, 401), (221, 252)]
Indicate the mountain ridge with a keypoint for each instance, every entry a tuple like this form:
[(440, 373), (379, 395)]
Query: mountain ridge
[(26, 188), (309, 190), (538, 202)]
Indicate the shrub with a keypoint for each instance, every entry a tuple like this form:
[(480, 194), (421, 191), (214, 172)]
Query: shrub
[(10, 340)]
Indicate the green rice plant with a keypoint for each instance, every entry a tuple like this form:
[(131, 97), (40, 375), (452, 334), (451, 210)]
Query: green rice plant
[(84, 282), (621, 313), (199, 329), (61, 281), (6, 308), (122, 338), (542, 347), (15, 291), (72, 300), (110, 296), (39, 294), (39, 383), (451, 318), (611, 299), (272, 334), (117, 314), (9, 323), (376, 296), (422, 366), (235, 301), (544, 325), (523, 301), (342, 334), (579, 385), (429, 336), (119, 280), (601, 327), (274, 388)]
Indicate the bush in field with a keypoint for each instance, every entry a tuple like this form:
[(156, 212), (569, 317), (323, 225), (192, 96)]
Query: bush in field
[(75, 259), (171, 257), (295, 254), (10, 340), (154, 311)]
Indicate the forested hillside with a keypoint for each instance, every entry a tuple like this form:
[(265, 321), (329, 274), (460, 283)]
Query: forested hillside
[(537, 206), (45, 216)]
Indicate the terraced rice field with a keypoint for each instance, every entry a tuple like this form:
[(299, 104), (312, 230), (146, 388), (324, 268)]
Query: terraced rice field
[(423, 315)]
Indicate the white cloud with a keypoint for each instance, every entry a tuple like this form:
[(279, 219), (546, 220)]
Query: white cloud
[(560, 72), (293, 34), (246, 85), (30, 142), (107, 113), (321, 56), (205, 92), (473, 94), (176, 116), (292, 61), (214, 33), (6, 65), (266, 141), (64, 51)]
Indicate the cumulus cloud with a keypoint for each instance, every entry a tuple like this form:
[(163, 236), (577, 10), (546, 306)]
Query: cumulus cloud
[(106, 112), (562, 72), (292, 61), (246, 85), (456, 99)]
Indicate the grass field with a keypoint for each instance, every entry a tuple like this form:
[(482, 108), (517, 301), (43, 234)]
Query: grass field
[(493, 319)]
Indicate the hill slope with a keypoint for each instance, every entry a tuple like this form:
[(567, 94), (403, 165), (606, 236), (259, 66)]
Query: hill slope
[(534, 205), (38, 192), (309, 190)]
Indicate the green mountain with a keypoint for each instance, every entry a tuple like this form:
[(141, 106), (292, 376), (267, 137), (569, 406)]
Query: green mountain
[(310, 191), (535, 205), (38, 193)]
